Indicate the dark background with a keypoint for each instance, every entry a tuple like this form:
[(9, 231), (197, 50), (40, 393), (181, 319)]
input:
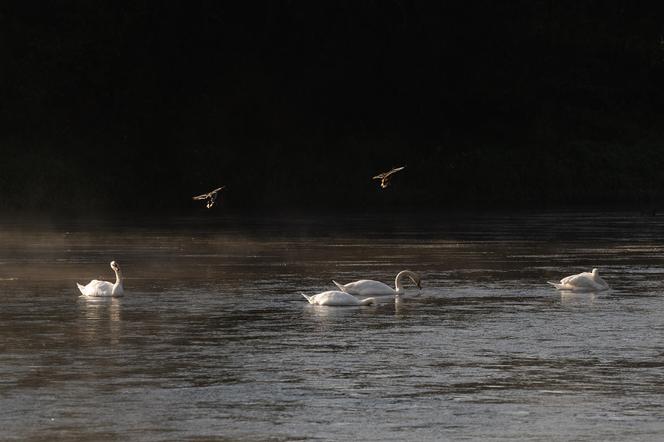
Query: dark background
[(138, 106)]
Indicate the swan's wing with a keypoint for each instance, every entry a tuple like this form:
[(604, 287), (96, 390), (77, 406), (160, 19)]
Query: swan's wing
[(600, 281), (217, 190), (582, 280), (97, 288), (572, 278), (335, 298), (380, 176), (368, 287), (340, 286)]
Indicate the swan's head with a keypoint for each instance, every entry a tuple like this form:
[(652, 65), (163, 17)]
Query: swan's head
[(417, 280), (595, 273), (115, 266)]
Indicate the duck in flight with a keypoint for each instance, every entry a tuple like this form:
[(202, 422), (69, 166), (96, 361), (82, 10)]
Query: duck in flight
[(210, 197), (386, 176)]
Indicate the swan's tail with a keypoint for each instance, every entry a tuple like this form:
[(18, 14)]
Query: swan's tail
[(81, 288), (341, 287), (308, 298), (556, 284)]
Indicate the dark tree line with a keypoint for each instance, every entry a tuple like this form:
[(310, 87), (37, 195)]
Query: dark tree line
[(139, 105)]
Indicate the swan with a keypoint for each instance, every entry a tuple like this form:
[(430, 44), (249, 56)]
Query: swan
[(586, 281), (369, 287), (337, 299), (104, 288)]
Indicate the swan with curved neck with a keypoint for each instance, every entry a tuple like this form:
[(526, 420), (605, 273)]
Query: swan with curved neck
[(369, 287), (582, 282), (104, 288), (334, 298)]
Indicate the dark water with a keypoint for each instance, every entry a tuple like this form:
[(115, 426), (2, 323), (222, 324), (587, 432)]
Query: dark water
[(214, 341)]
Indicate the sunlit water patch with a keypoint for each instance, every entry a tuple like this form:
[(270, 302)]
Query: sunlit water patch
[(214, 340)]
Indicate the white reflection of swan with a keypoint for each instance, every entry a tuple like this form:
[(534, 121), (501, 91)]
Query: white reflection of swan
[(104, 288), (582, 282), (369, 287), (334, 298), (580, 298), (100, 312)]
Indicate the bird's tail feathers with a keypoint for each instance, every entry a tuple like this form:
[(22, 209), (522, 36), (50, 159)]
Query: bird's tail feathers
[(308, 298), (81, 288), (341, 287), (555, 284)]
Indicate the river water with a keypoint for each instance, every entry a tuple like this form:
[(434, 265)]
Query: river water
[(213, 341)]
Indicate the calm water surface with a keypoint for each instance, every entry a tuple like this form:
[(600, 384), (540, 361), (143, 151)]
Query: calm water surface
[(213, 340)]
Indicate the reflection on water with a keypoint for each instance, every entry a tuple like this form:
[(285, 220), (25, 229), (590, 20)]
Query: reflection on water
[(586, 298), (213, 339), (101, 319)]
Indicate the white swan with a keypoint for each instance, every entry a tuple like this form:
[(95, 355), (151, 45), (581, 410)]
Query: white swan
[(369, 287), (337, 299), (104, 288), (586, 281)]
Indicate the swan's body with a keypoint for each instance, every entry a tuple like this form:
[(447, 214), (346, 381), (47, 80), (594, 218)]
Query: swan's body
[(586, 281), (386, 176), (369, 287), (104, 288), (209, 197), (337, 299)]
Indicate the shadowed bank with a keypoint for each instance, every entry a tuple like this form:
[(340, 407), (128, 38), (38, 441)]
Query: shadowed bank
[(139, 106)]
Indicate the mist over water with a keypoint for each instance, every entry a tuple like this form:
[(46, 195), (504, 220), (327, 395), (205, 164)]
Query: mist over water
[(213, 338)]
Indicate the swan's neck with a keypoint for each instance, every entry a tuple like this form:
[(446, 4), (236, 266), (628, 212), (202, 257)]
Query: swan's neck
[(118, 278), (397, 281)]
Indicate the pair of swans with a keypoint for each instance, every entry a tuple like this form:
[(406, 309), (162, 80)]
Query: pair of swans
[(97, 288), (582, 282), (346, 295)]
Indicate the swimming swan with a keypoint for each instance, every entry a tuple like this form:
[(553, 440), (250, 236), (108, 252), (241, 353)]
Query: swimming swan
[(104, 288), (369, 287), (585, 281), (337, 299)]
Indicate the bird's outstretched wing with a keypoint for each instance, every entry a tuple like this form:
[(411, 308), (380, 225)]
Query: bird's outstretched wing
[(386, 176), (205, 196), (388, 173)]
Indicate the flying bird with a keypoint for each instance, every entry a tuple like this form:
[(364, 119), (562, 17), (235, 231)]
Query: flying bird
[(210, 197), (386, 176)]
